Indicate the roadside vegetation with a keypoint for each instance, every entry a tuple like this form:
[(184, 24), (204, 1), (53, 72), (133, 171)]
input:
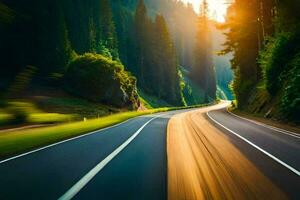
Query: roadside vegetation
[(91, 64), (19, 141), (266, 61), (26, 113), (100, 79)]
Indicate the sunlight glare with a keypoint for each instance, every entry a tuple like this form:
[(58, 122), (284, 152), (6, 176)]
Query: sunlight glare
[(217, 8)]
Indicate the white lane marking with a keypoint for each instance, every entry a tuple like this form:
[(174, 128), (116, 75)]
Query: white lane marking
[(257, 147), (93, 172), (67, 140), (290, 133)]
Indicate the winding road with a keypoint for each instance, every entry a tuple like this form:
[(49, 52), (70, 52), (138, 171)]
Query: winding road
[(204, 153)]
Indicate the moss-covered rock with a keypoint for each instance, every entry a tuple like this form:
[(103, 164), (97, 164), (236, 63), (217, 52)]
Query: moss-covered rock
[(100, 79)]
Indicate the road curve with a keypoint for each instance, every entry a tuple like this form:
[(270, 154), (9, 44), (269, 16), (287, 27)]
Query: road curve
[(202, 160), (206, 161)]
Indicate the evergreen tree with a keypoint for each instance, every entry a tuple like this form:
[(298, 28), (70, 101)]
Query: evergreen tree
[(155, 57), (51, 40), (248, 24), (123, 23), (166, 72), (107, 28), (203, 69), (141, 28), (52, 30), (79, 30)]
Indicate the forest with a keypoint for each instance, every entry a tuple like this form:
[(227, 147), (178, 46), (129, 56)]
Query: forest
[(149, 99), (264, 39), (143, 43), (128, 53)]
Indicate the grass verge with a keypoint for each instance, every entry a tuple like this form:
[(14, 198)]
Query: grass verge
[(5, 118), (30, 115), (16, 142)]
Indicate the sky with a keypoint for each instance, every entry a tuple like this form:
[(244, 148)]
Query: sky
[(217, 8)]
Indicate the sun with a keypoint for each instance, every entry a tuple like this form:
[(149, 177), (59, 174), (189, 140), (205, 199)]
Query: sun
[(217, 8)]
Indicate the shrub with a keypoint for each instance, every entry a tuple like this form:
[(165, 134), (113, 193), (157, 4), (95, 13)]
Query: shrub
[(99, 79), (274, 59), (19, 116), (291, 94)]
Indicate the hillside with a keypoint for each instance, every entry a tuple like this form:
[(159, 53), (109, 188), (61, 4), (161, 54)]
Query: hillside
[(61, 57), (55, 33), (266, 62)]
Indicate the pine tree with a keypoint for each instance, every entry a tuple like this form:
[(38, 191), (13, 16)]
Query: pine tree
[(52, 42), (107, 27), (166, 72), (141, 27), (203, 69), (247, 26)]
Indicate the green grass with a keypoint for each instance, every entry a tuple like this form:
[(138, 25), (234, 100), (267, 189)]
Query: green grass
[(145, 103), (12, 143), (5, 118), (32, 113), (71, 105), (42, 118), (25, 107)]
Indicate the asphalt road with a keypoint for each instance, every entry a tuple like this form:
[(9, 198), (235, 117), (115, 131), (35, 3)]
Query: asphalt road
[(129, 161), (275, 152), (137, 172)]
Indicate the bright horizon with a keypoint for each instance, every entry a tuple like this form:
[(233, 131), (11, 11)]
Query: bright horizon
[(217, 8)]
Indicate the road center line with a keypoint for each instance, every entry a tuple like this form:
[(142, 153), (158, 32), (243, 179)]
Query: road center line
[(75, 189), (257, 147)]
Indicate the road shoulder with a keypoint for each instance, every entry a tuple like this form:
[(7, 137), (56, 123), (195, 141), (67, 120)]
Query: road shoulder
[(276, 124)]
